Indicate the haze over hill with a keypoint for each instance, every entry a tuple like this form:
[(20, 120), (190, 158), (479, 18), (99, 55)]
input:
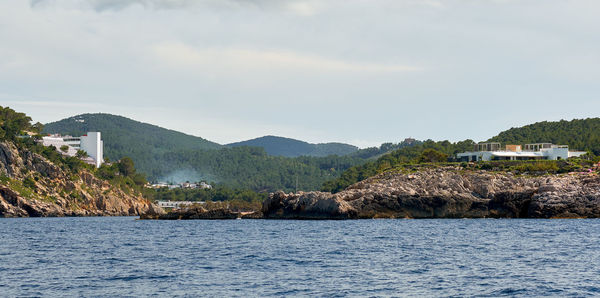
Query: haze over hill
[(281, 146)]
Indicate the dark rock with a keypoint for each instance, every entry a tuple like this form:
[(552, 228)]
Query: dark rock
[(195, 212)]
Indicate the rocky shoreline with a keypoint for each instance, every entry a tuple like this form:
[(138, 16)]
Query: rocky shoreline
[(430, 192), (448, 192), (198, 212), (55, 192), (443, 192)]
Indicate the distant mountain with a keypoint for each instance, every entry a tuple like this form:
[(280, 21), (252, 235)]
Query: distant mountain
[(126, 137), (280, 146), (579, 134)]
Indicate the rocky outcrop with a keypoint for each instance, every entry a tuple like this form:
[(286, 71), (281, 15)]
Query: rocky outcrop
[(449, 192), (198, 212), (53, 191)]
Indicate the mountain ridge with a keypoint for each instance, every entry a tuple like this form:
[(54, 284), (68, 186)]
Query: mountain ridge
[(288, 147)]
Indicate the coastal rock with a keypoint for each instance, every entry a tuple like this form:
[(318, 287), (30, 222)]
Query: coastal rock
[(448, 192), (311, 205), (196, 212), (53, 191)]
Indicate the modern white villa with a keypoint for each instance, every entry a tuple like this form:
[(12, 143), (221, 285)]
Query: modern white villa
[(91, 143), (538, 151)]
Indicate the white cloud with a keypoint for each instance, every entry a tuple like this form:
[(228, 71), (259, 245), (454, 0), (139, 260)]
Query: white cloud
[(350, 70), (234, 59), (299, 7)]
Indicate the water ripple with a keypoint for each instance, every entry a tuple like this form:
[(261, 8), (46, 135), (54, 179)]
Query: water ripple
[(369, 258)]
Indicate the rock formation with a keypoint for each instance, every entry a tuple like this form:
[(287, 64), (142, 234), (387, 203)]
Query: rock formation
[(53, 191), (198, 212), (448, 192)]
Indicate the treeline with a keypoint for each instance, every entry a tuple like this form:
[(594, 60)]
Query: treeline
[(428, 151), (579, 134), (159, 152), (252, 168), (218, 193), (374, 152), (14, 124), (280, 146)]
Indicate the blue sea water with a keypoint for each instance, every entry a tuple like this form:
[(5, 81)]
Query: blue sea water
[(121, 256)]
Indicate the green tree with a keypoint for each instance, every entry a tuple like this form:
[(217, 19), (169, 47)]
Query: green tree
[(126, 167), (81, 154), (12, 123), (64, 148), (432, 155)]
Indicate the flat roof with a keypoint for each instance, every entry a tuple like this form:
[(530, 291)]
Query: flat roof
[(506, 153)]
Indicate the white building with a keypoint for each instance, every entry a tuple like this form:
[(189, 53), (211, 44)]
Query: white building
[(91, 143), (177, 204), (538, 151)]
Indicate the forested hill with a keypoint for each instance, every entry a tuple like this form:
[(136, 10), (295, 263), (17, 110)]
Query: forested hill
[(579, 134), (126, 137), (166, 155), (280, 146)]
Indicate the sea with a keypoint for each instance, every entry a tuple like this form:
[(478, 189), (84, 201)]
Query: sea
[(123, 256)]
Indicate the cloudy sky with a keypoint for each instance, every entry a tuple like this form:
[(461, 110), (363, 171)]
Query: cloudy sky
[(357, 71)]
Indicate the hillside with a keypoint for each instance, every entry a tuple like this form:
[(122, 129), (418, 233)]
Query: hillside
[(38, 181), (415, 153), (126, 137), (166, 155), (253, 168), (280, 146), (579, 134)]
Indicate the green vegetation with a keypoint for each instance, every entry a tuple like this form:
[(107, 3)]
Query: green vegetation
[(280, 146), (579, 134), (123, 174), (14, 124), (125, 137), (432, 155), (375, 152), (428, 151), (533, 167), (252, 168), (159, 153), (216, 194)]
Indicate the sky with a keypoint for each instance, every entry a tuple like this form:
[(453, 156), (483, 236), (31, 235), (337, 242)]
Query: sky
[(362, 72)]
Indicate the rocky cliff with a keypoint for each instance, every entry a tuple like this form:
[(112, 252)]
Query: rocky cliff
[(447, 192), (31, 185)]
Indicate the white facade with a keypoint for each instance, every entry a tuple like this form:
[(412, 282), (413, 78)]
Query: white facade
[(91, 143), (550, 152), (57, 142)]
